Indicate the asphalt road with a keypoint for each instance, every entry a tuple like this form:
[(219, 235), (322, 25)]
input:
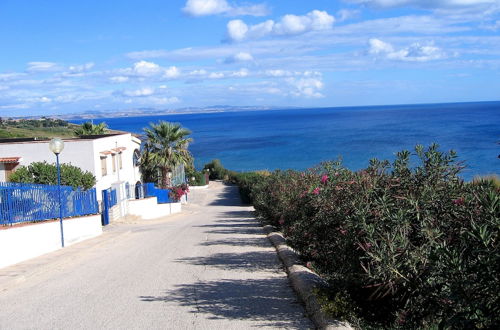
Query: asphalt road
[(210, 267)]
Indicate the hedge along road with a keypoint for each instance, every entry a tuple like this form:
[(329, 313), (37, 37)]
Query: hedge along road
[(210, 267)]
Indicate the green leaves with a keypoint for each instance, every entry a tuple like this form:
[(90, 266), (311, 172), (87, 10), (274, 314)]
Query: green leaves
[(89, 128), (410, 243), (45, 173), (166, 146)]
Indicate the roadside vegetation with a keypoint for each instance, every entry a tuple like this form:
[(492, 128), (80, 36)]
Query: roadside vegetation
[(402, 245)]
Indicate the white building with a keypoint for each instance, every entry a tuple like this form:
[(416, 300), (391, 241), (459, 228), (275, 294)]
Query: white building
[(112, 158)]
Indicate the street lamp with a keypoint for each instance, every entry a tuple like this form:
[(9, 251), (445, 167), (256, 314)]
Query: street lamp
[(56, 145)]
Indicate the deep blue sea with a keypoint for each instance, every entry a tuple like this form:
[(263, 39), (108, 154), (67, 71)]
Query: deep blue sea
[(302, 138)]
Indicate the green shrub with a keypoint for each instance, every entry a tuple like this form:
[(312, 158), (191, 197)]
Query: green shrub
[(217, 171), (196, 178), (245, 182), (411, 245), (45, 173)]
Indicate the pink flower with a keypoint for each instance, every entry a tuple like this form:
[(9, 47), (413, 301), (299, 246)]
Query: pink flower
[(459, 201), (309, 264), (281, 221), (316, 191), (324, 178)]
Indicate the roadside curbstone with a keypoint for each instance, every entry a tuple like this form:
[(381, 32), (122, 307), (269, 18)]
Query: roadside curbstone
[(304, 281)]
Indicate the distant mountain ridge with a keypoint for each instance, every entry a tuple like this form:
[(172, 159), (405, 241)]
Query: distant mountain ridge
[(137, 112)]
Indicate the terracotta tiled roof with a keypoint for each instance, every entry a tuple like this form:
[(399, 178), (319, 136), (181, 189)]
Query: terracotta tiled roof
[(119, 149), (10, 159)]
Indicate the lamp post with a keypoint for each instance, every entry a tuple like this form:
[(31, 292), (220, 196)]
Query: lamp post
[(56, 145)]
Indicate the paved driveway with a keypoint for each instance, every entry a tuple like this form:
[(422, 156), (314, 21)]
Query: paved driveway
[(210, 267)]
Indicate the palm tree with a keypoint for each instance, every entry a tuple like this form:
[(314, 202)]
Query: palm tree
[(166, 147), (88, 128)]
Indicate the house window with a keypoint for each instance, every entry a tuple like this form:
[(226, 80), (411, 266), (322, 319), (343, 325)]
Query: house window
[(104, 168), (113, 160), (120, 165), (136, 157)]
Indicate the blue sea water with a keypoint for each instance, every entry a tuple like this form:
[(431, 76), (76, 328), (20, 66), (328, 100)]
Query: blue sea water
[(302, 138)]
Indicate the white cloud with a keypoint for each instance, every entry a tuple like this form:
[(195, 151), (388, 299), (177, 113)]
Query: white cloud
[(215, 7), (237, 30), (145, 91), (316, 20), (413, 53), (144, 68), (306, 87), (42, 67), (171, 72), (241, 73), (81, 68), (239, 57), (346, 14), (216, 75), (119, 79)]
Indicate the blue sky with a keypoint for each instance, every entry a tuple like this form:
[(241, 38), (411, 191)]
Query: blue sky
[(72, 56)]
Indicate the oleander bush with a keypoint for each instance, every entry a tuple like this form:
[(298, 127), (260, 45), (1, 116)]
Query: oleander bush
[(406, 244)]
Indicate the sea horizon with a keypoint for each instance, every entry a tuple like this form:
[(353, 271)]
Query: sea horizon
[(302, 138)]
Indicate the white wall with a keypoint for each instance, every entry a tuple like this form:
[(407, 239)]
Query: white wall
[(128, 173), (2, 172), (23, 243), (148, 208), (84, 153)]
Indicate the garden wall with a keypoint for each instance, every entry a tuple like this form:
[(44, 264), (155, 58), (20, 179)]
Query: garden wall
[(148, 208), (22, 243)]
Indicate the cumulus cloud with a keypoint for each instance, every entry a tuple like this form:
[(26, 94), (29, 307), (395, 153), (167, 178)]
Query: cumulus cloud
[(239, 57), (145, 69), (413, 53), (316, 20), (215, 7), (81, 68), (145, 91), (306, 87)]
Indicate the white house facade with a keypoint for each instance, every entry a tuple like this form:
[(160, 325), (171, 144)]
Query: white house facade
[(112, 158)]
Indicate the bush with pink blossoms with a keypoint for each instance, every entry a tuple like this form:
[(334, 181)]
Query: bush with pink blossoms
[(408, 245)]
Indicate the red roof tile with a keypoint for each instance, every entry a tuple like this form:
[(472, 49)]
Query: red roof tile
[(10, 159)]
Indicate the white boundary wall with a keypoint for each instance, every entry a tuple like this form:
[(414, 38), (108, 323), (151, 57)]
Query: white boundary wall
[(23, 243), (148, 208)]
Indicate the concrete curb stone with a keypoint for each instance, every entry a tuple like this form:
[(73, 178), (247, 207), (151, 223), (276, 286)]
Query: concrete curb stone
[(304, 281)]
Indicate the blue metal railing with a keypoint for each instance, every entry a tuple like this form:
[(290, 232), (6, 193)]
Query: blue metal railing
[(112, 197), (24, 202)]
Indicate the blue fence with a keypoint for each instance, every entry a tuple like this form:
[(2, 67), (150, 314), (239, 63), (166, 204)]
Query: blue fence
[(162, 195), (20, 202)]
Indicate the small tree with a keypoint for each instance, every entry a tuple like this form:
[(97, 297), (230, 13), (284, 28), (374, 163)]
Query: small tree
[(45, 173), (89, 128), (166, 146)]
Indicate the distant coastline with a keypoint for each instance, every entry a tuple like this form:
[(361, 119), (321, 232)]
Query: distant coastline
[(150, 112)]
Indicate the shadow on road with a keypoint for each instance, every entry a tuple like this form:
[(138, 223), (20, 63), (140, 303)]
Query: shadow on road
[(254, 299), (229, 196), (254, 261)]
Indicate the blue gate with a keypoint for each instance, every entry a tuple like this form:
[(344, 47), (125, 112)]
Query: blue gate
[(108, 201)]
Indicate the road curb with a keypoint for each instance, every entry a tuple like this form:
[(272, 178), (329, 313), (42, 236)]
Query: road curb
[(304, 281)]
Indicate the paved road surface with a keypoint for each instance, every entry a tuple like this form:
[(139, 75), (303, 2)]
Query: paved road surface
[(210, 267)]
